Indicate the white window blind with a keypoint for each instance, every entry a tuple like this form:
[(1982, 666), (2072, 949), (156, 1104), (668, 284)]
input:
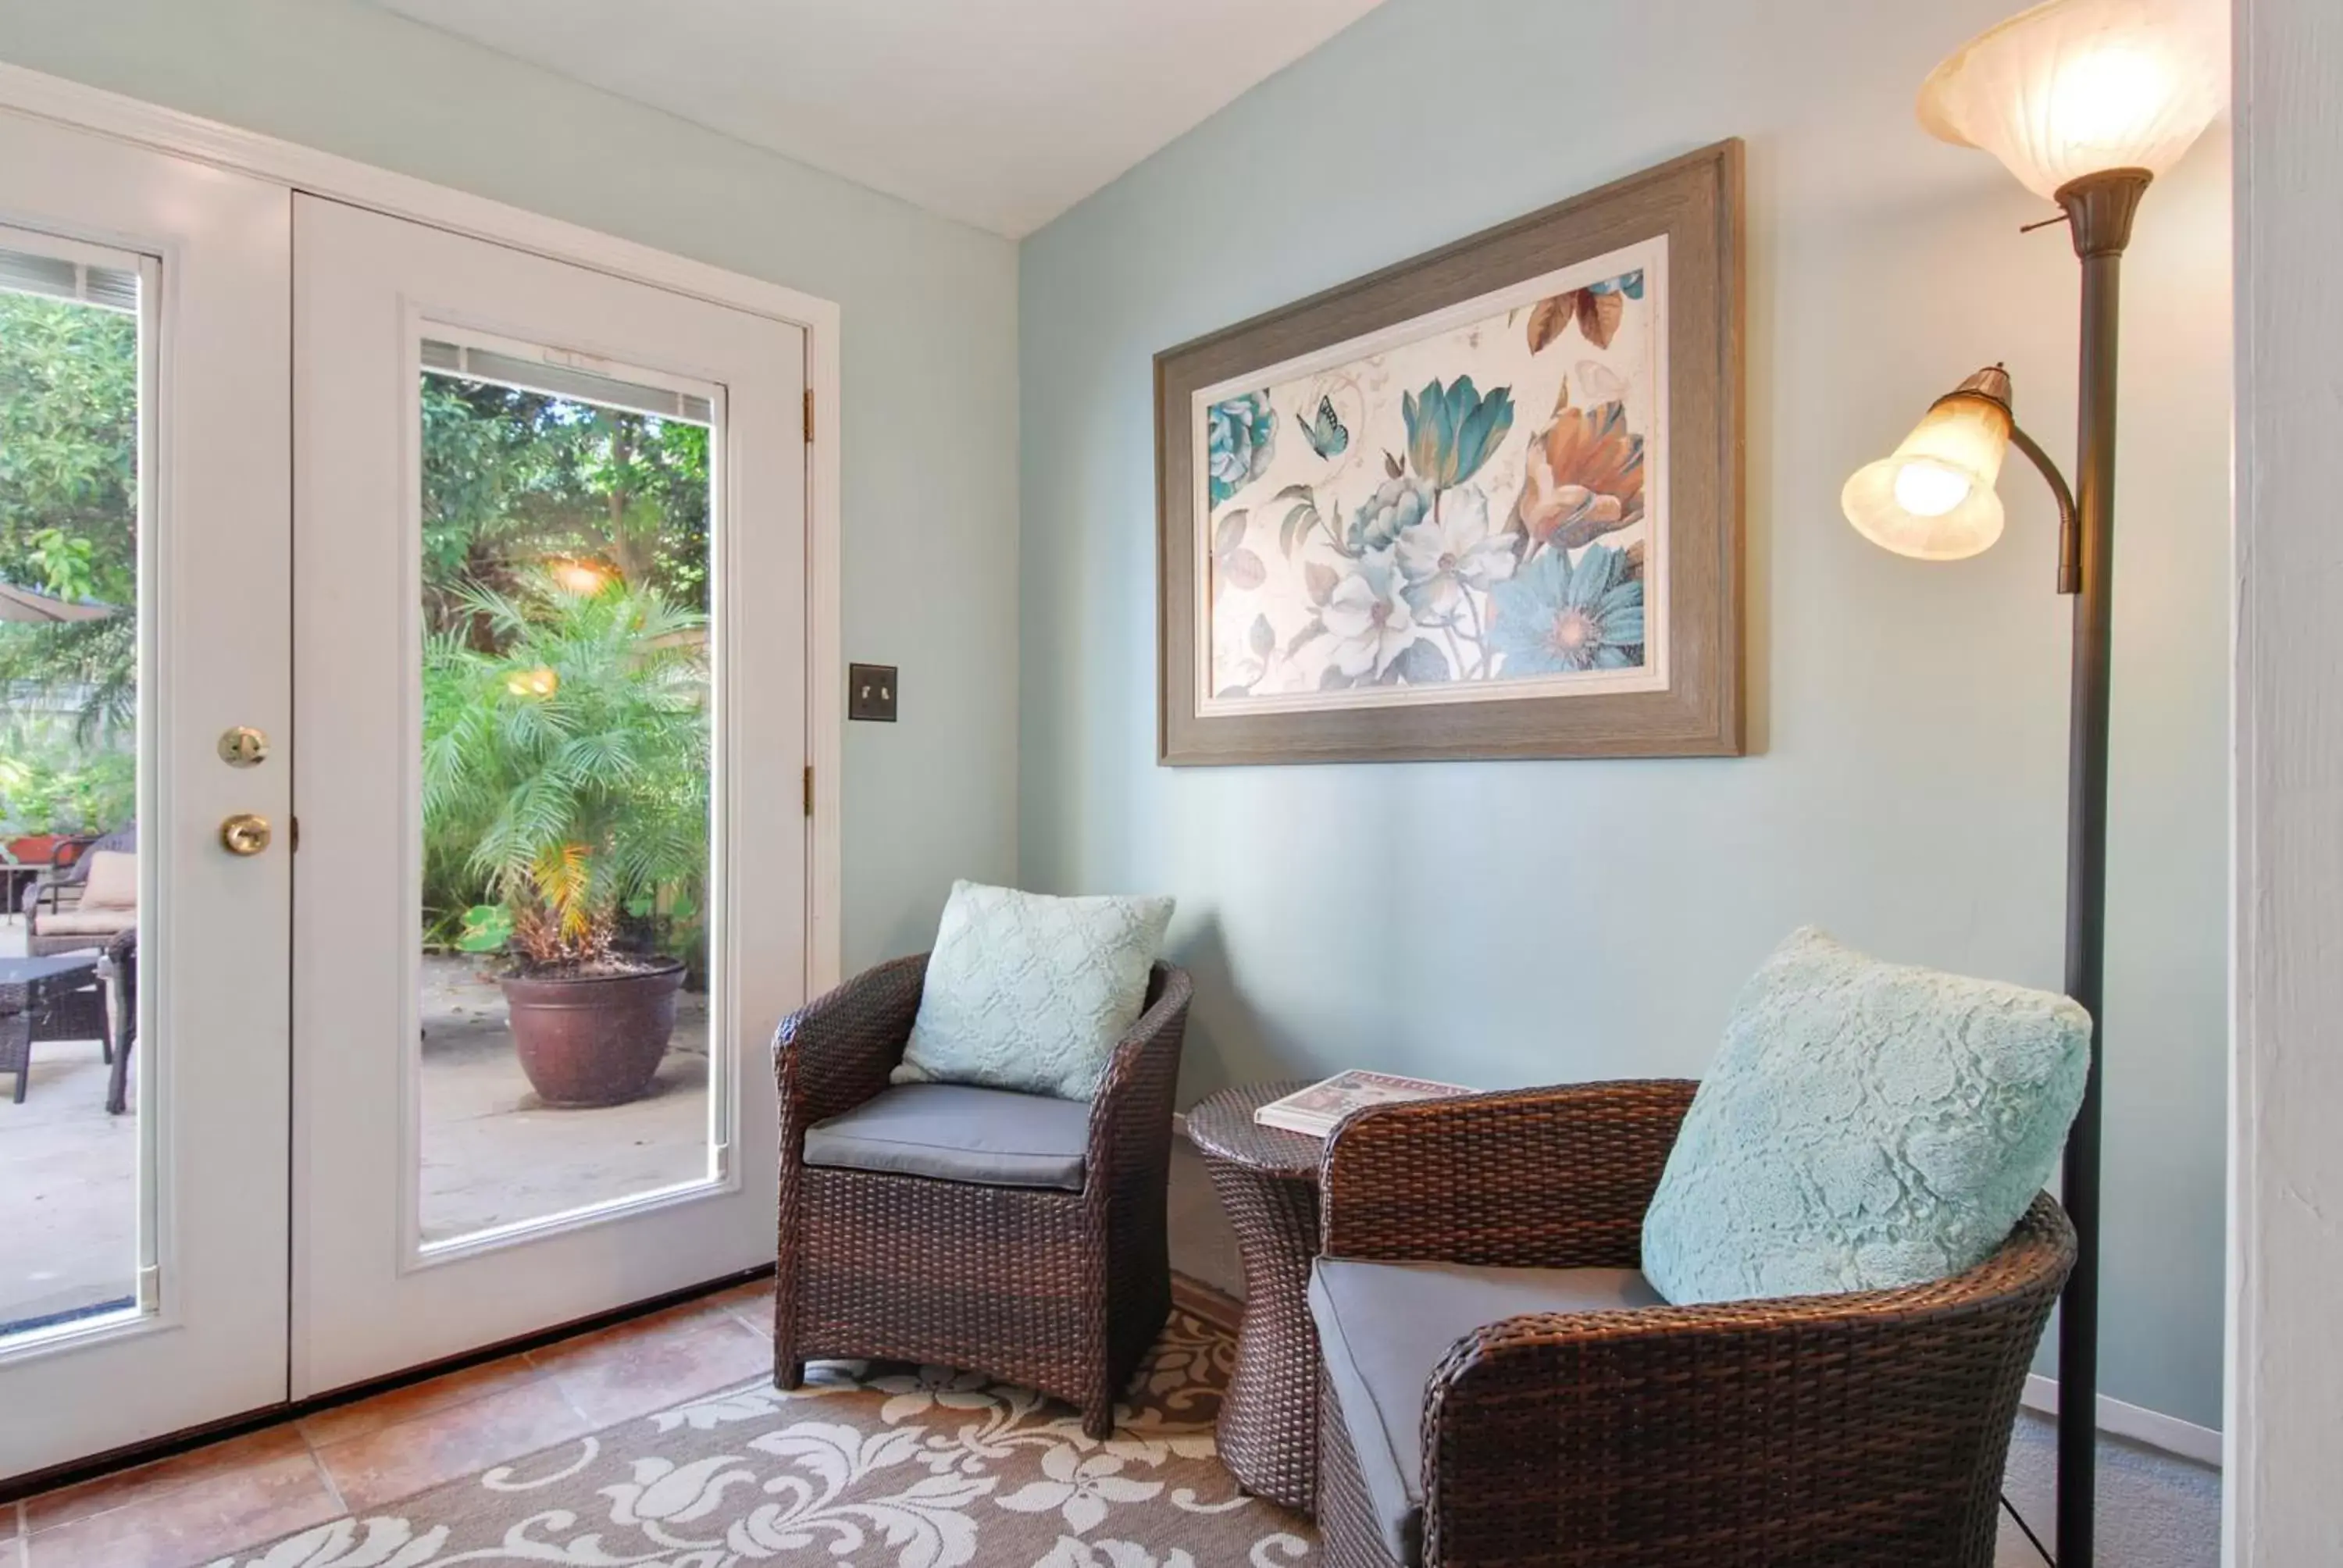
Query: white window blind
[(563, 381), (108, 287)]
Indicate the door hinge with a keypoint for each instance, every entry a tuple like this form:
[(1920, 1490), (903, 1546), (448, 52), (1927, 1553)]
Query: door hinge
[(809, 415), (293, 836), (809, 789)]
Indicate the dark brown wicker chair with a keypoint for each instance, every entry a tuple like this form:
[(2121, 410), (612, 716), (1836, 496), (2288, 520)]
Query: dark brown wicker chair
[(1063, 1292), (1848, 1429)]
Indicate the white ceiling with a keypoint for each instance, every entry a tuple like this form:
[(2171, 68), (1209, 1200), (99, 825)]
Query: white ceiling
[(1000, 113)]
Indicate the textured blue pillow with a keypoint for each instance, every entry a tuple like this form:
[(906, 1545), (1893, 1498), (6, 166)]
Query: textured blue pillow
[(1866, 1126), (1032, 993)]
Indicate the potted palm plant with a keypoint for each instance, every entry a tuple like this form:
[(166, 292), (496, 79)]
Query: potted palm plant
[(565, 765)]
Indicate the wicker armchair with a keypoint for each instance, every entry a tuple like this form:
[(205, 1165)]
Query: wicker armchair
[(56, 922), (1061, 1291), (1860, 1429)]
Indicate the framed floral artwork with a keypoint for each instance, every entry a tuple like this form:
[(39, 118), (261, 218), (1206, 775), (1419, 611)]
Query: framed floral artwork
[(1484, 503)]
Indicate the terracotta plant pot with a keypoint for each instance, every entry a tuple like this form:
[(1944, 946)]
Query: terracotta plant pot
[(35, 848), (593, 1040)]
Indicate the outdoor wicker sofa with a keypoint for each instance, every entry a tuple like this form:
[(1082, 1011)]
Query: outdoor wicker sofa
[(1849, 1429), (1047, 1267)]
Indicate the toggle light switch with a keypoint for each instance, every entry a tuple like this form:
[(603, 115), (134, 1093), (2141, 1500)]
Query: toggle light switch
[(870, 692)]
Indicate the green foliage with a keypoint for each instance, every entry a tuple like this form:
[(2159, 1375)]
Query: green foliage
[(565, 766), (486, 929), (68, 449), (512, 477), (50, 782), (69, 492)]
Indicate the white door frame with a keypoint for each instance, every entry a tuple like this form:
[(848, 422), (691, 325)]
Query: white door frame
[(303, 168)]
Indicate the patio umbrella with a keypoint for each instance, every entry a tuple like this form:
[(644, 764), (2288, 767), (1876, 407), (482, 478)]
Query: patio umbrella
[(25, 604)]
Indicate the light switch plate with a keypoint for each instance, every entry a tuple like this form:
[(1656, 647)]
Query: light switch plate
[(870, 692)]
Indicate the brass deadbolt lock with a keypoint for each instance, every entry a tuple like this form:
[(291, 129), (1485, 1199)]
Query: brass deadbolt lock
[(243, 747), (245, 834)]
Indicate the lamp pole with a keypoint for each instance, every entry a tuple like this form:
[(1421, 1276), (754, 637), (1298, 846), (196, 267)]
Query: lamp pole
[(2099, 210)]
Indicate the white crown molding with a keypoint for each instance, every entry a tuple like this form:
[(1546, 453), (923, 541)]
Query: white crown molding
[(93, 109)]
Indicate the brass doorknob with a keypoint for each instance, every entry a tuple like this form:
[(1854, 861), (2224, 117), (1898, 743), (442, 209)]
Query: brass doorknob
[(244, 834)]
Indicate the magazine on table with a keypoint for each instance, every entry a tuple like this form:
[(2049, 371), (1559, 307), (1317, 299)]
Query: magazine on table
[(1317, 1110)]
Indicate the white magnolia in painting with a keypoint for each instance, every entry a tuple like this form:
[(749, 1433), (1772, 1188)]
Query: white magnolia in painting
[(1472, 508)]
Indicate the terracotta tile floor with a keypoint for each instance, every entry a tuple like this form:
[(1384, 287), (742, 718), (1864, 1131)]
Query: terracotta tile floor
[(198, 1506)]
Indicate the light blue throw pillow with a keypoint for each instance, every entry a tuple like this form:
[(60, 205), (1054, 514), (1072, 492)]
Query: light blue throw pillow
[(1866, 1126), (1030, 993)]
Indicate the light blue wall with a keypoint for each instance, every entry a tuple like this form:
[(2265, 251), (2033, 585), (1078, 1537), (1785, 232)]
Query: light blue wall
[(1515, 922), (930, 422)]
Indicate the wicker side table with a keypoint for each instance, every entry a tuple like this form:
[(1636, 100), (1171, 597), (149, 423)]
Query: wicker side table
[(1268, 1182)]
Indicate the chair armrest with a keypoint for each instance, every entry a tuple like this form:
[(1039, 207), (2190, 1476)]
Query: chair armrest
[(1553, 1178), (1131, 1114), (1788, 1429), (836, 1050)]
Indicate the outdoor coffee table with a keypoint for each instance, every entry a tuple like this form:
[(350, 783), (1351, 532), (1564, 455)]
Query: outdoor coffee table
[(58, 998), (1267, 1180)]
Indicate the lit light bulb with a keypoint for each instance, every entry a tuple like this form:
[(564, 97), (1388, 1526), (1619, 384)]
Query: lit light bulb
[(538, 682), (1933, 497), (1929, 489)]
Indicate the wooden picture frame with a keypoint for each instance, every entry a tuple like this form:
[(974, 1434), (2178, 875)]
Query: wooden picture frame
[(1383, 604)]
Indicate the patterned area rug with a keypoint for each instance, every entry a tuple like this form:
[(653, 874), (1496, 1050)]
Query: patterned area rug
[(871, 1465)]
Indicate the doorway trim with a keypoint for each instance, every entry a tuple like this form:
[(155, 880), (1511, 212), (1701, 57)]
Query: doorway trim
[(81, 108)]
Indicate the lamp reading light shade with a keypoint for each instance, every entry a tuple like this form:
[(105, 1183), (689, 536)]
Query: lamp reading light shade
[(2079, 87), (1933, 499)]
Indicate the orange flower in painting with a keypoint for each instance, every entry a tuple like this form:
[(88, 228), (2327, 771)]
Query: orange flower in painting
[(1583, 476)]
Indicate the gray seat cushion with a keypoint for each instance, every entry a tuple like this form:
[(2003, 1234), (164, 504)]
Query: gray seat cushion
[(1383, 1327), (954, 1132)]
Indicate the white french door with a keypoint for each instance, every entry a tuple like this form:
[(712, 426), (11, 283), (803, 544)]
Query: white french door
[(406, 605), (496, 657), (142, 1254)]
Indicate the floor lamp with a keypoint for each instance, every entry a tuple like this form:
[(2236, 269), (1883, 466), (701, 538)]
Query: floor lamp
[(2086, 102)]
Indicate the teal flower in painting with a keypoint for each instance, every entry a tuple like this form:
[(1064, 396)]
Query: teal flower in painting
[(1453, 431), (1394, 507), (1241, 435), (1554, 618)]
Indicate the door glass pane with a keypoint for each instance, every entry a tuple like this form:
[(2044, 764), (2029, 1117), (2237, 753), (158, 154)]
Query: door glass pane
[(70, 1146), (566, 731)]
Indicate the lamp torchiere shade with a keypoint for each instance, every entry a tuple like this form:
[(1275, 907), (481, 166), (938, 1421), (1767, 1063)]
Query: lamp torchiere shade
[(2079, 87)]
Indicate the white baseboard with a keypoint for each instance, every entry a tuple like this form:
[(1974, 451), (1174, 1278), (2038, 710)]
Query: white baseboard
[(2138, 1422)]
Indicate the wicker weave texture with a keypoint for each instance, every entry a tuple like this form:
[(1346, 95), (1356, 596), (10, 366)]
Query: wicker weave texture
[(69, 1006), (1861, 1429), (1267, 1182), (1063, 1291)]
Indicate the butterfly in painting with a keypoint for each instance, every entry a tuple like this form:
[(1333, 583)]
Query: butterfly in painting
[(1328, 436)]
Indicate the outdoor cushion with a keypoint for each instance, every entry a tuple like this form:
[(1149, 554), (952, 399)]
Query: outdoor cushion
[(1383, 1327), (1866, 1126), (1028, 992), (112, 882), (81, 920), (956, 1133)]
